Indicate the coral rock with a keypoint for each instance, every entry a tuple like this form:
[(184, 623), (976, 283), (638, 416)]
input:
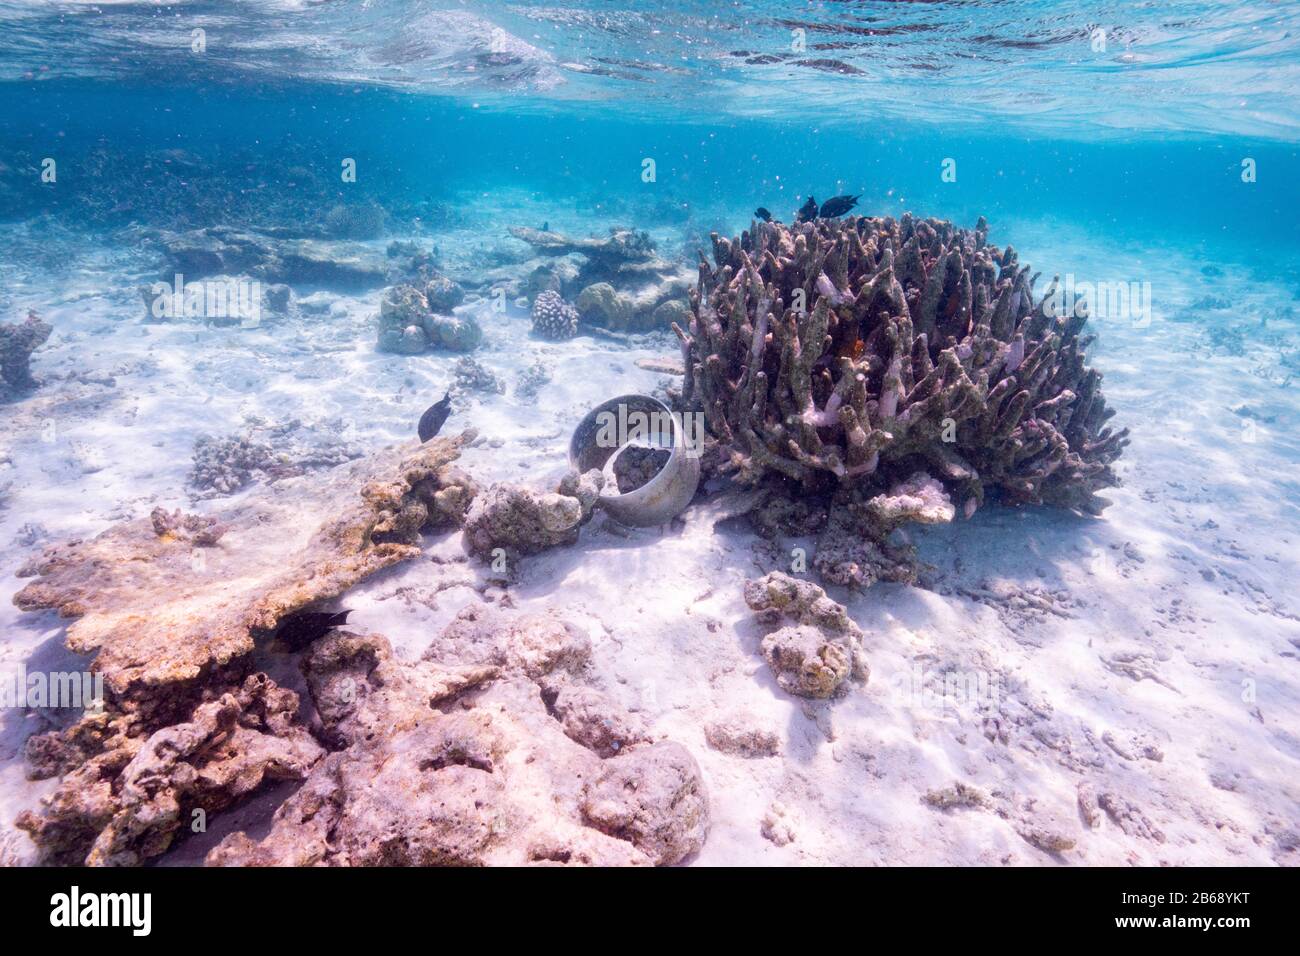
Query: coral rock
[(601, 304), (857, 546), (202, 531), (494, 779), (452, 333), (807, 663), (472, 376), (589, 717), (736, 734), (443, 294), (127, 802), (17, 343), (654, 797), (822, 648), (159, 618), (522, 521), (413, 319), (222, 250)]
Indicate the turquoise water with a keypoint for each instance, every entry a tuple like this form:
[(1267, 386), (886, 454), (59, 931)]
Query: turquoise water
[(1142, 133)]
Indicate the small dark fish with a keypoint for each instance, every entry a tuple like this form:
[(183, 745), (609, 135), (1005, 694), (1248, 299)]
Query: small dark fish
[(762, 213), (431, 421), (546, 227), (298, 630), (838, 206), (807, 212)]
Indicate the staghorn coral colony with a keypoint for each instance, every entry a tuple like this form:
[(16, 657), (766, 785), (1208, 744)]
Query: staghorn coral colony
[(886, 368)]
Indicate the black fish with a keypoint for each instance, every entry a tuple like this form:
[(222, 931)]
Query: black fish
[(762, 213), (431, 421), (546, 227), (298, 630), (807, 212), (838, 206)]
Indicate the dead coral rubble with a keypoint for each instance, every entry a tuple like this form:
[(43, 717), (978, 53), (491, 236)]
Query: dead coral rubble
[(172, 607), (203, 531), (262, 452), (123, 798), (443, 762), (858, 547), (818, 647), (495, 747), (848, 355)]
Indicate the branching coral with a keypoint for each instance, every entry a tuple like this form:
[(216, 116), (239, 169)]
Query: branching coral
[(870, 372), (846, 355)]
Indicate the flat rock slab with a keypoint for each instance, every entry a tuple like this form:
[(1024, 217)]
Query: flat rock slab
[(160, 610)]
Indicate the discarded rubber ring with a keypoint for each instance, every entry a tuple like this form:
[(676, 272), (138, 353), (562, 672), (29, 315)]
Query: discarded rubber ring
[(665, 495)]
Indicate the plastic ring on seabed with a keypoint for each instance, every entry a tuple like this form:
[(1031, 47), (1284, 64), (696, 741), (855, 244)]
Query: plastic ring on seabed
[(665, 495)]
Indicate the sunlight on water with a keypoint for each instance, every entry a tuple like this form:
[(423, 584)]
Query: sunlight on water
[(1079, 69)]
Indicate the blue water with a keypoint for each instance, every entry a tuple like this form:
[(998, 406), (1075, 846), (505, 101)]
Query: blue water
[(443, 102)]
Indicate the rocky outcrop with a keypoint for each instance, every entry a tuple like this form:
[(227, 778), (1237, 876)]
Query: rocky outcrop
[(624, 252), (416, 317), (223, 250), (620, 282), (640, 308), (652, 797), (171, 606), (457, 760)]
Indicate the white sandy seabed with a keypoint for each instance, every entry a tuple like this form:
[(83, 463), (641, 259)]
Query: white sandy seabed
[(1152, 656)]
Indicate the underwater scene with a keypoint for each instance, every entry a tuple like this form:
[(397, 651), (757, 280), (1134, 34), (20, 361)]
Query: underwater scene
[(664, 433)]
